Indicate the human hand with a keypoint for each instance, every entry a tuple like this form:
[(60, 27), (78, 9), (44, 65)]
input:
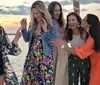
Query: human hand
[(60, 43), (44, 25), (57, 42), (23, 23), (17, 36)]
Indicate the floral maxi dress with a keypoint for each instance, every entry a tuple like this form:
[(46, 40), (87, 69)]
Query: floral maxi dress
[(38, 68)]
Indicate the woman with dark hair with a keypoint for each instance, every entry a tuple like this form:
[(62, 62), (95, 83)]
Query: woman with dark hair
[(76, 36), (60, 56), (91, 47), (6, 47)]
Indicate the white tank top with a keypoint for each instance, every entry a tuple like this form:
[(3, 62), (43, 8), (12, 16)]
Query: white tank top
[(76, 41)]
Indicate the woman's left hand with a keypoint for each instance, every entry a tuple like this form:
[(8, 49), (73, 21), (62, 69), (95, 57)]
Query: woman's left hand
[(44, 25)]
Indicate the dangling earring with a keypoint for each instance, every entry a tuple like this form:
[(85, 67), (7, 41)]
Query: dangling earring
[(69, 27), (78, 25)]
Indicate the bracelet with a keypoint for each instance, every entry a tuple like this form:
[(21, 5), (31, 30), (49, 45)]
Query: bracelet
[(62, 46)]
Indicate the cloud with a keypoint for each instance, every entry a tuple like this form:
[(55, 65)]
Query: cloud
[(22, 9), (98, 9), (65, 2), (46, 3), (26, 2), (83, 9), (65, 10), (18, 10), (89, 1), (25, 10)]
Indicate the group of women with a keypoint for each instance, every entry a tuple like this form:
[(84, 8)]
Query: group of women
[(50, 60)]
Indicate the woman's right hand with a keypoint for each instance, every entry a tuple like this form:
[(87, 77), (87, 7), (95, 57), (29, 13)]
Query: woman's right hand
[(17, 36), (23, 23)]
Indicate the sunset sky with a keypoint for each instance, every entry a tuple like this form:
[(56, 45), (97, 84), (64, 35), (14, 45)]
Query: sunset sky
[(14, 10)]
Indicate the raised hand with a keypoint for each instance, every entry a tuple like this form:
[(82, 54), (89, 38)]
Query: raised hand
[(23, 23), (17, 36)]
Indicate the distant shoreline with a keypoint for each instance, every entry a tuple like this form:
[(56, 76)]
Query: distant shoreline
[(10, 33)]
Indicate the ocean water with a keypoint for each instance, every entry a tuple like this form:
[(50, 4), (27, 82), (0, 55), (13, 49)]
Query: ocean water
[(18, 61)]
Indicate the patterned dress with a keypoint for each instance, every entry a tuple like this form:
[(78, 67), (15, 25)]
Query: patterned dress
[(38, 69), (6, 47)]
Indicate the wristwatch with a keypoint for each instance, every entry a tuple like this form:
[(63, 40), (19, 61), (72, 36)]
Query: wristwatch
[(62, 46)]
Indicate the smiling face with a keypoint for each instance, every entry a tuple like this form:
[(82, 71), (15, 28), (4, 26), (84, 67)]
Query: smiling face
[(37, 15), (57, 12), (72, 22), (84, 24)]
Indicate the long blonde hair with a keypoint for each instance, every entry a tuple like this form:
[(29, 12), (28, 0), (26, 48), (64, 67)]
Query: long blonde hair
[(39, 5)]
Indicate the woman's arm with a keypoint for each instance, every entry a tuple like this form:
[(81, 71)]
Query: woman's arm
[(51, 33), (7, 46), (83, 51), (70, 50), (25, 35)]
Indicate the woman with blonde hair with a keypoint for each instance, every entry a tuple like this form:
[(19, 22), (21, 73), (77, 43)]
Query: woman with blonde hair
[(39, 63)]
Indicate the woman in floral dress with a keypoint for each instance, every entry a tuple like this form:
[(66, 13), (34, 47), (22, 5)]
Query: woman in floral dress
[(39, 63)]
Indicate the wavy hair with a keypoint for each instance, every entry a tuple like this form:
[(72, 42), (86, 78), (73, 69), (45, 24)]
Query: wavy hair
[(51, 8), (69, 32), (40, 6)]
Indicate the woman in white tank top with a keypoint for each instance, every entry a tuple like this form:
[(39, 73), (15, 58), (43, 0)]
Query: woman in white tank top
[(76, 36)]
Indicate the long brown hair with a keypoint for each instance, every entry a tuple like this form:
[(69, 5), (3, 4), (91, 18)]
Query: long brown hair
[(69, 32), (51, 8)]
